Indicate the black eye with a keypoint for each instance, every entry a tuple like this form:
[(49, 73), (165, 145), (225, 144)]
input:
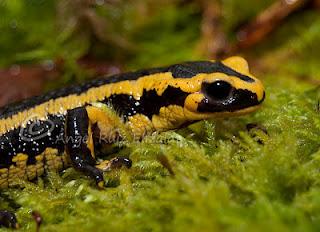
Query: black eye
[(218, 90)]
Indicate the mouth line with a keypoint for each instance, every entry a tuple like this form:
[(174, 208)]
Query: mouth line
[(196, 116)]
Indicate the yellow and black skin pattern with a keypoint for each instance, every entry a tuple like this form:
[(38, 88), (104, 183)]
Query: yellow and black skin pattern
[(64, 127)]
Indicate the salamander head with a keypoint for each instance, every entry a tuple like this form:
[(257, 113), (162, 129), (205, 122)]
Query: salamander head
[(229, 92), (218, 89)]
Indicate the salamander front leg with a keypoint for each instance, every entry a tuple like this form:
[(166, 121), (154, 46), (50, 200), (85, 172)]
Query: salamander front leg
[(8, 219), (79, 145)]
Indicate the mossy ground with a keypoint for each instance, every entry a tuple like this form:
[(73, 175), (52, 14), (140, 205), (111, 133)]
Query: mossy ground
[(226, 178)]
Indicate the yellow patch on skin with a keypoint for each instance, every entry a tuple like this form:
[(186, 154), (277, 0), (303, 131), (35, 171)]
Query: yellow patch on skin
[(97, 115), (192, 101), (111, 125), (53, 159), (4, 172), (107, 124), (169, 118), (14, 173), (40, 164), (31, 171), (17, 171), (237, 63), (140, 126), (89, 141), (20, 159)]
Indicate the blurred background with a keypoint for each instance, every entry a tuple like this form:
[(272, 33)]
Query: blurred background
[(45, 44)]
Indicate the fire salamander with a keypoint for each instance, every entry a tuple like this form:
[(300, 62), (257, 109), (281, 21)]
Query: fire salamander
[(61, 128)]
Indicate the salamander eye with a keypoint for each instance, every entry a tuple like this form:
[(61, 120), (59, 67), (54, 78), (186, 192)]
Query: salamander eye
[(218, 90)]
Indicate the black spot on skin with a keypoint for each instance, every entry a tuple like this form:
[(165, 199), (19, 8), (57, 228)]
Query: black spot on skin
[(238, 100), (190, 69), (149, 104), (31, 160)]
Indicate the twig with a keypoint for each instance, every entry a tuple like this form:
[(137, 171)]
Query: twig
[(266, 22)]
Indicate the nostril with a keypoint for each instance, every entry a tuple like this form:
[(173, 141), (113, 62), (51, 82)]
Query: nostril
[(218, 90)]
